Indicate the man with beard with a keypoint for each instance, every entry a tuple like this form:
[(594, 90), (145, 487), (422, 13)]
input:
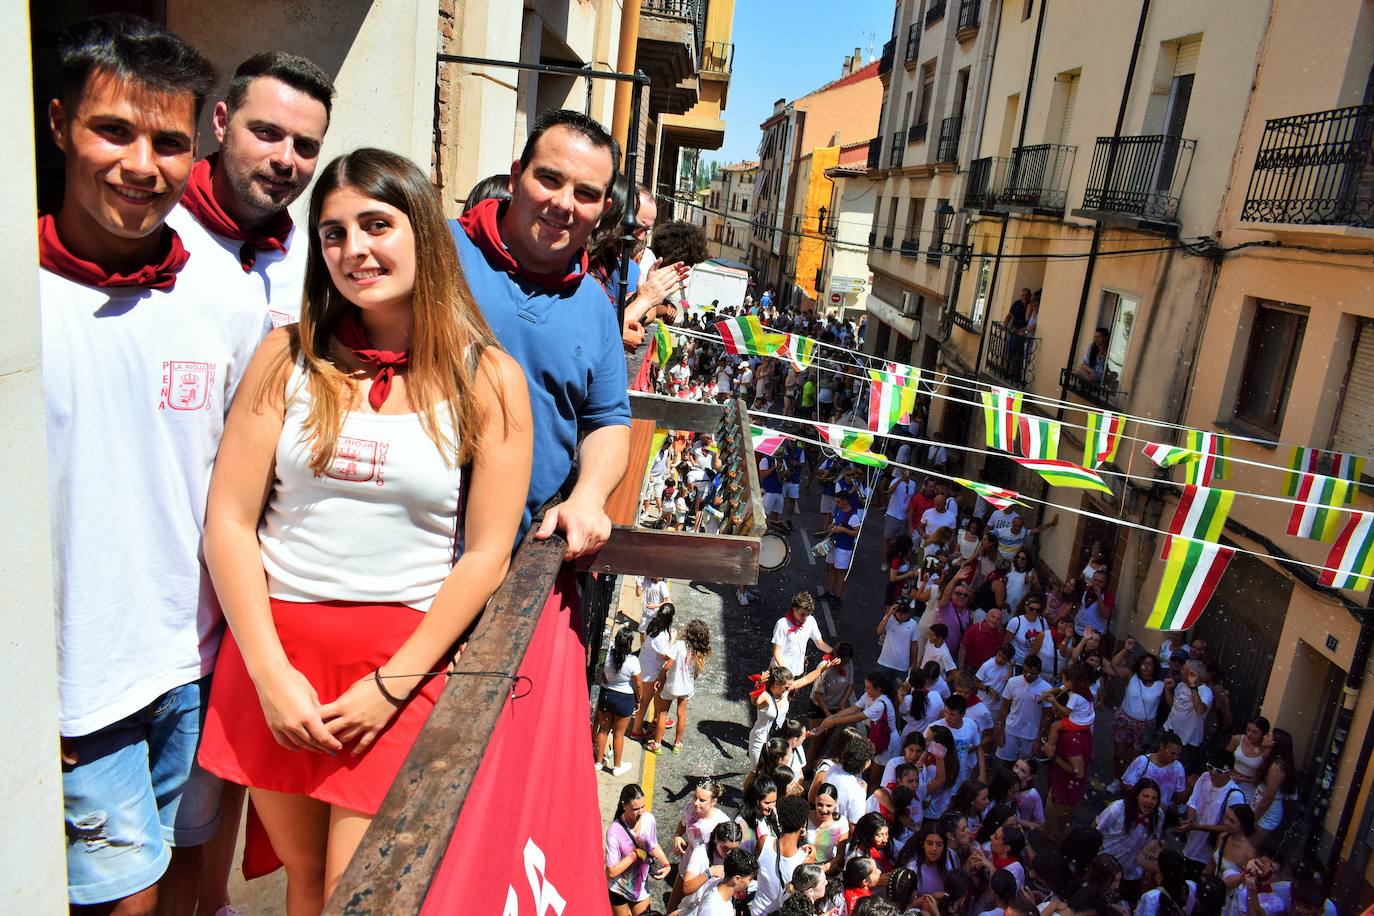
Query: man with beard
[(270, 127)]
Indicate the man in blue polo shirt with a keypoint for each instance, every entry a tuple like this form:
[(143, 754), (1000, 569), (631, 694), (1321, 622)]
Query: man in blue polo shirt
[(526, 264)]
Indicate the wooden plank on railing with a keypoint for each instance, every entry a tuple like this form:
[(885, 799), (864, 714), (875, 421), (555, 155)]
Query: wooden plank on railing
[(623, 504), (678, 555), (676, 413), (399, 855)]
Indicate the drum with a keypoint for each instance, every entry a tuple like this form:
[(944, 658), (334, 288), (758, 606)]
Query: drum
[(773, 552), (821, 548)]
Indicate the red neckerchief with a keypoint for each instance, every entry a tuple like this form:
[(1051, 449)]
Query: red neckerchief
[(1146, 821), (973, 699), (350, 333), (792, 625), (199, 200), (481, 223), (998, 862), (161, 273)]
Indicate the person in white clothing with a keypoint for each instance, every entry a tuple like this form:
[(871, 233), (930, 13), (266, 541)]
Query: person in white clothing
[(899, 492), (779, 861), (1163, 767), (690, 652), (1128, 825), (718, 899), (1212, 794), (876, 710), (142, 354), (773, 701), (1023, 713), (655, 654), (794, 630), (1188, 701), (1139, 705), (339, 412), (653, 592), (620, 687), (898, 630)]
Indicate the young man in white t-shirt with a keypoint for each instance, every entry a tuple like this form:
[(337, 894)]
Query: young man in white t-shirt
[(1023, 713), (900, 638), (1188, 704), (899, 492), (1163, 767), (793, 631), (1000, 518), (944, 514), (719, 897), (781, 858), (142, 351), (936, 650), (968, 737)]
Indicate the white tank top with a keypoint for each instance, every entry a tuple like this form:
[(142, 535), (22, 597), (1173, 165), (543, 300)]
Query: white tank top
[(378, 526)]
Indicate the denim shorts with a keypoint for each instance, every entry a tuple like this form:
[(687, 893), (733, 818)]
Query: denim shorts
[(134, 793)]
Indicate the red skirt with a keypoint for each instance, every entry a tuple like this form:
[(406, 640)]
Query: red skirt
[(333, 644)]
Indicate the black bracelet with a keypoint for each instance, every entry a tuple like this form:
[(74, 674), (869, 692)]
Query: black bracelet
[(392, 699)]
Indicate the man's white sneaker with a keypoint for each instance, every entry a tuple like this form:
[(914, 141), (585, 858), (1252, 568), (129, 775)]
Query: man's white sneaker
[(620, 770)]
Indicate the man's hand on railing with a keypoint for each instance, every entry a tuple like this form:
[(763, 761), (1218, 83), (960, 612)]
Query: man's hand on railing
[(585, 525)]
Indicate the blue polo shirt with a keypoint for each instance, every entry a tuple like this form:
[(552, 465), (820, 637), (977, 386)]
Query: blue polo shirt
[(568, 343)]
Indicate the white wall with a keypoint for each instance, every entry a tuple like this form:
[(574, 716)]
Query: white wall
[(31, 845)]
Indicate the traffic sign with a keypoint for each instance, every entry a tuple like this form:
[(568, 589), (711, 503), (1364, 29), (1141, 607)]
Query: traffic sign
[(847, 284), (836, 298)]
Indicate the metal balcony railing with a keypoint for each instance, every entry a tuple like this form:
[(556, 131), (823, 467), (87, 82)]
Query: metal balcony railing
[(885, 62), (1038, 176), (875, 151), (1314, 169), (968, 14), (916, 133), (913, 42), (948, 150), (1104, 393), (894, 161), (887, 242), (1139, 176), (718, 57), (1011, 356), (935, 13), (985, 181), (910, 248), (967, 322), (872, 237)]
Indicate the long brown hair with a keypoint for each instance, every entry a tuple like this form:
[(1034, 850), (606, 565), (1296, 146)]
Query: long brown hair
[(447, 331)]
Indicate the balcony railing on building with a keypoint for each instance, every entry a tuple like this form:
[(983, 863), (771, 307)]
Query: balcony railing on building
[(718, 57), (1314, 169), (1010, 356), (1140, 177), (948, 150), (916, 133), (985, 181), (1103, 393), (885, 62), (692, 10), (894, 161), (910, 248), (935, 13), (887, 242), (875, 151), (968, 14), (913, 42), (967, 322), (1038, 177)]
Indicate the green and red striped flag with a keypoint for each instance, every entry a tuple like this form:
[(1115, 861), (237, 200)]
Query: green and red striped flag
[(852, 446), (766, 440), (1315, 516), (1191, 575), (1166, 456), (1000, 408), (1101, 438), (798, 350), (891, 397), (1348, 467), (1039, 438), (994, 496), (1201, 514), (744, 335), (1351, 563), (1213, 461), (663, 343), (1064, 474), (1301, 460)]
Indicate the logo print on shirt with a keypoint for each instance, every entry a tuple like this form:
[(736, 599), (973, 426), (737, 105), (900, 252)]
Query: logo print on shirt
[(279, 319), (186, 385), (358, 460)]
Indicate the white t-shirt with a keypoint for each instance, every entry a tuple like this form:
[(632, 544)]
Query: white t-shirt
[(934, 707), (966, 738), (1184, 720), (1000, 518), (934, 653), (653, 653), (1172, 779), (897, 502), (850, 793), (655, 594), (774, 873), (1010, 541), (897, 640), (933, 519), (793, 642), (1123, 841), (1141, 702), (993, 676), (1207, 800), (136, 386), (682, 676), (621, 680), (1023, 717), (1023, 631), (698, 830), (874, 711), (1080, 709), (714, 905)]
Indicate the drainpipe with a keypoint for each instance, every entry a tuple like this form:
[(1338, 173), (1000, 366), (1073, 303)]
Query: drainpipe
[(625, 63), (1106, 183), (1321, 801)]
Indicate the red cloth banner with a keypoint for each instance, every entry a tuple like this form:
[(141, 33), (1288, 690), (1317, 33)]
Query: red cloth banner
[(528, 841)]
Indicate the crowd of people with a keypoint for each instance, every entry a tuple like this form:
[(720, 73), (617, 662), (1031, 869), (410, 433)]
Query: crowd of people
[(955, 775)]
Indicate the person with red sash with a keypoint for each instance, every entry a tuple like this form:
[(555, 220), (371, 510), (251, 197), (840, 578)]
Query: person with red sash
[(142, 351), (270, 127), (390, 441)]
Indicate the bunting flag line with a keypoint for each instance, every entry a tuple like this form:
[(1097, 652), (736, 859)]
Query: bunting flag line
[(663, 343), (852, 446), (1316, 517), (994, 496), (1213, 453), (744, 336), (1039, 438), (766, 441), (1191, 575), (1064, 474), (1301, 460), (1201, 514), (1000, 408), (799, 350), (1351, 562), (1101, 438), (896, 374), (892, 398), (1166, 456), (1348, 467)]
